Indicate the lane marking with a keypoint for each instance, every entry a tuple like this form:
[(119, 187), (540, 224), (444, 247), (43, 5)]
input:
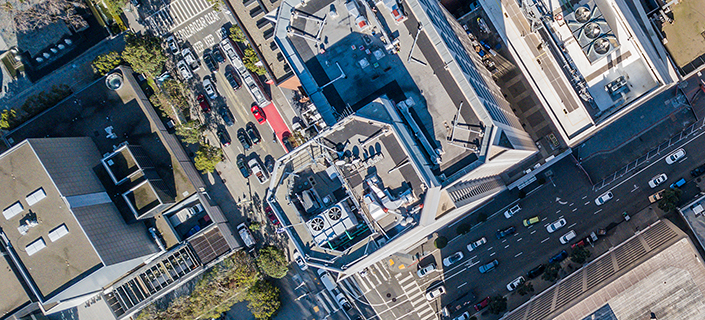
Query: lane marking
[(585, 196), (572, 225), (587, 203), (576, 209), (507, 246), (493, 253), (544, 218), (561, 217), (518, 254), (544, 240), (559, 211), (532, 232), (490, 248), (519, 239), (464, 283)]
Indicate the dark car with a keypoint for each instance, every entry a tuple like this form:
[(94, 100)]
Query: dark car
[(287, 143), (232, 77), (270, 214), (242, 165), (580, 243), (203, 102), (223, 137), (482, 304), (269, 163), (535, 272), (227, 118), (558, 257), (242, 137), (253, 133), (506, 232), (217, 54), (698, 171), (209, 61)]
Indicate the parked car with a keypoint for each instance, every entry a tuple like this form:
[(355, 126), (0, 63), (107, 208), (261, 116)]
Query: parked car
[(435, 293), (205, 106), (482, 304), (674, 156), (258, 113), (209, 61), (657, 180), (426, 270), (464, 316), (656, 196), (555, 225), (217, 54), (252, 133), (300, 260), (506, 232), (558, 257), (223, 32), (535, 272), (227, 117), (568, 236), (184, 70), (476, 244), (450, 260), (257, 171), (210, 89), (269, 163), (287, 143), (232, 77), (271, 216), (190, 59), (223, 137), (244, 169), (172, 44), (512, 211), (697, 171), (580, 243), (603, 198), (532, 220), (485, 268), (242, 137), (678, 183), (515, 283)]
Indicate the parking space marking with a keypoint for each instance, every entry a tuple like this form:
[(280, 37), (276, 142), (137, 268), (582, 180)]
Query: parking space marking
[(532, 232), (544, 240), (519, 239), (507, 246), (518, 254), (572, 225), (464, 283), (493, 253), (576, 209)]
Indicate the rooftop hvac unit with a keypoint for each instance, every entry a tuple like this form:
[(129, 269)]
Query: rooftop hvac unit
[(592, 32)]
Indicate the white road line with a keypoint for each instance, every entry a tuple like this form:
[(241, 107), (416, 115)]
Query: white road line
[(504, 240), (617, 200), (544, 218), (532, 232), (490, 248), (544, 240), (364, 285), (584, 197), (519, 239), (413, 298), (493, 253), (571, 204), (587, 203), (576, 209), (464, 283), (561, 217), (518, 254), (507, 246), (572, 225), (559, 211)]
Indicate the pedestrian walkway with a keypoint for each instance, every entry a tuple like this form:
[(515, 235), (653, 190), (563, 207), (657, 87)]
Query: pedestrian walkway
[(175, 14), (276, 122), (416, 296)]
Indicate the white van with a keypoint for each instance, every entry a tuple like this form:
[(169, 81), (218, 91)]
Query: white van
[(246, 236)]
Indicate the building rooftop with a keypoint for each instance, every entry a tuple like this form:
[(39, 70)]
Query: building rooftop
[(14, 295), (657, 270)]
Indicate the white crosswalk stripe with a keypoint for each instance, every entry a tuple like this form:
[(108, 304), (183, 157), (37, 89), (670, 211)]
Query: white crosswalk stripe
[(363, 283), (416, 296), (176, 13), (350, 287)]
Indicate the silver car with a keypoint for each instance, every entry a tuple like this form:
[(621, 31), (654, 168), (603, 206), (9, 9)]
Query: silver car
[(210, 89), (476, 244), (555, 225), (426, 270)]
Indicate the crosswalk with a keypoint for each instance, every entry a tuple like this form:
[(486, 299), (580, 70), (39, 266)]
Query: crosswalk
[(375, 276), (176, 13), (326, 301), (416, 296)]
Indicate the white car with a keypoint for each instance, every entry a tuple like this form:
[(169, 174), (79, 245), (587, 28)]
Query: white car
[(476, 244), (184, 70), (448, 261), (210, 89), (257, 171), (657, 180), (435, 293), (555, 225), (512, 211), (515, 283), (190, 59), (300, 260), (173, 46), (675, 156), (603, 198), (568, 236), (464, 316), (426, 270)]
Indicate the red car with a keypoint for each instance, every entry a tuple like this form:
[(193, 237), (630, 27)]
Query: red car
[(259, 114), (272, 217), (482, 304), (205, 106)]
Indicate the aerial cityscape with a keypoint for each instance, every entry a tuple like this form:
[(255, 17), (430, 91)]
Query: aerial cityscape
[(352, 159)]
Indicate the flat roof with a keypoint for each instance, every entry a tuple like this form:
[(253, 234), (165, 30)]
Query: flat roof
[(62, 260), (684, 37), (14, 295), (657, 270), (353, 68), (121, 164)]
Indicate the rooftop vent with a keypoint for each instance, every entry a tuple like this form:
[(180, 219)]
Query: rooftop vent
[(12, 210), (35, 246), (36, 196)]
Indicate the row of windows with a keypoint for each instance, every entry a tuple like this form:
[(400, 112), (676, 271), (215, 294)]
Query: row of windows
[(39, 244), (16, 208)]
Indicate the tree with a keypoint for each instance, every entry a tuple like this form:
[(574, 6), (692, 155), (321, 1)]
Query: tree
[(47, 12), (498, 304), (191, 132), (251, 60), (463, 228), (255, 226), (105, 63), (580, 255), (237, 35), (441, 242), (207, 157), (263, 300), (8, 119), (144, 53), (551, 272), (177, 93), (272, 262), (481, 217), (670, 199), (215, 4), (525, 288)]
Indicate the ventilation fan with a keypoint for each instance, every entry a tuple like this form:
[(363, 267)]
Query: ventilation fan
[(316, 224), (334, 213), (601, 46), (582, 14), (592, 30)]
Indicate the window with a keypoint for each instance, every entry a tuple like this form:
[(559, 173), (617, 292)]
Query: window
[(36, 196), (35, 246), (12, 210), (57, 233)]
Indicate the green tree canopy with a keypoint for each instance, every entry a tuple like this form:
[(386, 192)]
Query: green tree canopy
[(670, 200), (250, 61), (191, 132), (105, 63), (498, 304), (237, 35), (272, 262), (263, 300), (207, 157), (8, 119), (551, 272), (144, 53), (580, 255)]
